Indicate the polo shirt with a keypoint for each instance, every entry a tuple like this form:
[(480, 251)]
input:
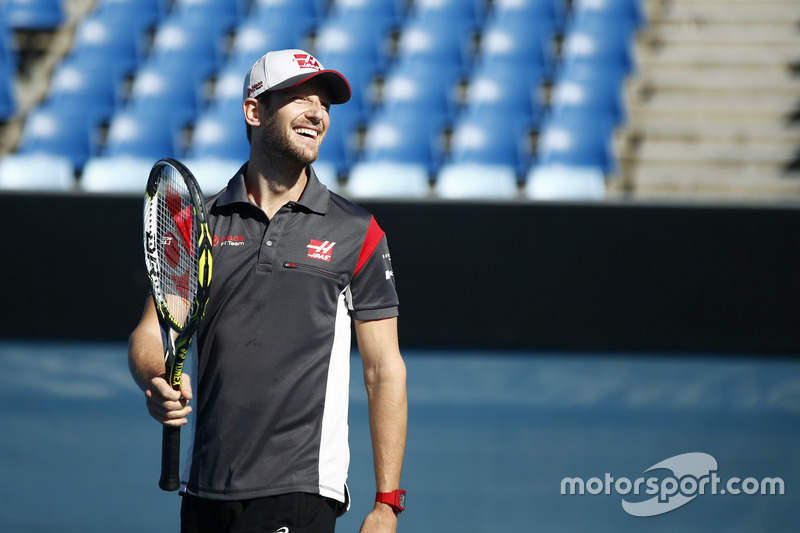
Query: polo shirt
[(272, 353)]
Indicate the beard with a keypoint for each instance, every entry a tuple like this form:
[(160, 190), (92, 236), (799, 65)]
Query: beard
[(277, 145)]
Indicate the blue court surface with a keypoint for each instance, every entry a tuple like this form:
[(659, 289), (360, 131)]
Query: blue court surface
[(492, 439)]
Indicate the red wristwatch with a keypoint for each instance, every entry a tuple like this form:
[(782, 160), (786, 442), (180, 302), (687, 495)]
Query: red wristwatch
[(395, 499)]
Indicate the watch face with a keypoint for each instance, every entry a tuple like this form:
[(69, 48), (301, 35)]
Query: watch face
[(403, 500)]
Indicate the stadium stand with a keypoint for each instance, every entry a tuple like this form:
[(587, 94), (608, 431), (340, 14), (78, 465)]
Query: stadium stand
[(567, 95)]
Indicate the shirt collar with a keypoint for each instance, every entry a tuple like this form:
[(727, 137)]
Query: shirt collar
[(315, 196)]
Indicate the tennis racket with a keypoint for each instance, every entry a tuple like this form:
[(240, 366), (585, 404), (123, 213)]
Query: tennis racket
[(177, 252)]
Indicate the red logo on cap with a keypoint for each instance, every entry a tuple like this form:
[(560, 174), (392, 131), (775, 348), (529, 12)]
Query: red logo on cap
[(307, 61), (254, 88)]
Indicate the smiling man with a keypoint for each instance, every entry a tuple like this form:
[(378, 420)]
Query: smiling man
[(269, 449)]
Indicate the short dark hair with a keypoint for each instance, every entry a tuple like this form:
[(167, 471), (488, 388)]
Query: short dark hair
[(263, 99)]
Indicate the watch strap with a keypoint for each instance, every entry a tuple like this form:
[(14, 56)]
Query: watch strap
[(395, 499)]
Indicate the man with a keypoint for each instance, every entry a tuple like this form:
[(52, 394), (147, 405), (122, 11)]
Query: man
[(293, 263)]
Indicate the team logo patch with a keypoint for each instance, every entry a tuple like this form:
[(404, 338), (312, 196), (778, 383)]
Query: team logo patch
[(322, 250), (307, 61)]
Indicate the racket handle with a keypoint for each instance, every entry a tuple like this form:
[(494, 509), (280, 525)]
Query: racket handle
[(170, 458)]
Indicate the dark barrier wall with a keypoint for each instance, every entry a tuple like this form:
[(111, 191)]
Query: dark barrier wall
[(510, 276)]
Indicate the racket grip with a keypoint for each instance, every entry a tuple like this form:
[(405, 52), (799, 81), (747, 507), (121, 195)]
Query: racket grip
[(170, 458)]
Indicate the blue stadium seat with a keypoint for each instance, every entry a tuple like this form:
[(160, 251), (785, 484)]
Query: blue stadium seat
[(465, 181), (34, 14), (419, 86), (220, 16), (506, 88), (327, 175), (109, 41), (597, 95), (58, 131), (354, 36), (572, 139), (143, 135), (483, 136), (387, 179), (256, 35), (625, 15), (290, 11), (226, 97), (193, 52), (36, 172), (436, 42), (173, 94), (87, 90), (464, 15), (404, 136), (593, 40), (388, 13), (560, 182), (548, 14), (360, 76), (8, 98), (339, 145), (119, 174), (219, 136), (140, 14), (524, 41)]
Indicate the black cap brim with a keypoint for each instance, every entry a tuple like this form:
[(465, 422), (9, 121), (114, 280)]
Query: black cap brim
[(338, 87)]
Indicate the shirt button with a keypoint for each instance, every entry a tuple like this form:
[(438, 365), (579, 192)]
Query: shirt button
[(269, 243)]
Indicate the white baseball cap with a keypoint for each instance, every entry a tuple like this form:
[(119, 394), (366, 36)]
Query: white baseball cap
[(283, 69)]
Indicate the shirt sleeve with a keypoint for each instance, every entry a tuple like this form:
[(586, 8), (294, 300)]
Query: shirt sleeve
[(372, 294)]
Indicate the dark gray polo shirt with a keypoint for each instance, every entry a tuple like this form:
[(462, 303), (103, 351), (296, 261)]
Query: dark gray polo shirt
[(271, 365)]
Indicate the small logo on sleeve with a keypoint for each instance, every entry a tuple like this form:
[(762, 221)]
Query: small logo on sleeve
[(322, 250)]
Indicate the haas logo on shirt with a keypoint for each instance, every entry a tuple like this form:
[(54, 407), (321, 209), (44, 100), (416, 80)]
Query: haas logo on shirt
[(322, 250)]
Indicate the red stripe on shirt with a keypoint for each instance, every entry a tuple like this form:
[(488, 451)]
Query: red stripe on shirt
[(374, 236)]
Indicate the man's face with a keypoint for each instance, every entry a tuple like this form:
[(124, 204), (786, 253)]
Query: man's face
[(295, 122)]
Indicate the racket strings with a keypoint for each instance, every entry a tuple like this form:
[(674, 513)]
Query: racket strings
[(176, 234)]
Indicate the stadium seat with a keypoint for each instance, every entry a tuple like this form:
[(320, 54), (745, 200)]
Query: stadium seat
[(140, 14), (627, 14), (435, 42), (597, 96), (34, 14), (219, 136), (212, 174), (256, 35), (109, 41), (388, 180), (523, 41), (488, 138), (8, 98), (504, 87), (577, 141), (57, 131), (169, 93), (133, 133), (465, 15), (388, 13), (36, 172), (289, 11), (476, 182), (87, 90), (404, 136), (548, 14), (327, 174), (595, 41), (217, 15), (188, 52), (559, 182), (339, 147), (418, 86), (353, 36), (121, 174)]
